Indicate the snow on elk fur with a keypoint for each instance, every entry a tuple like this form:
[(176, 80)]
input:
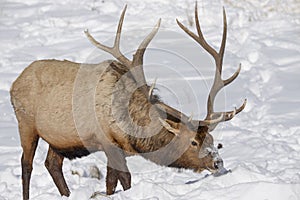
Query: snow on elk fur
[(82, 108)]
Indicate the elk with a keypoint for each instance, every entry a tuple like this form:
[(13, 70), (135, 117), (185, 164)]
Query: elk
[(79, 109)]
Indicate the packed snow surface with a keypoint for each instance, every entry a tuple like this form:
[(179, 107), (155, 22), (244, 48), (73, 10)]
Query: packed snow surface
[(261, 144)]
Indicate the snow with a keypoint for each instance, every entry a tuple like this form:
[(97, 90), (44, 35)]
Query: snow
[(261, 145)]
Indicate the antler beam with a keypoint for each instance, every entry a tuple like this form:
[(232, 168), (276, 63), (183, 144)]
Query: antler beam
[(214, 117)]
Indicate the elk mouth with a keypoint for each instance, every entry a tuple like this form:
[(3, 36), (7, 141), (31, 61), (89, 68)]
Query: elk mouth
[(212, 170)]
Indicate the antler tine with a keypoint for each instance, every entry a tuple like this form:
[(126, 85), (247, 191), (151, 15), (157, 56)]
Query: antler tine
[(150, 93), (139, 54), (201, 39), (241, 108), (207, 122), (230, 114), (119, 29), (115, 50), (223, 43), (138, 57), (233, 77)]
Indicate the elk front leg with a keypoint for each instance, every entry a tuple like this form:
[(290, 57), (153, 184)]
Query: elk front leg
[(54, 163), (112, 177), (116, 170)]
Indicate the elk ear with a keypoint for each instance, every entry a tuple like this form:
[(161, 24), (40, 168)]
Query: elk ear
[(171, 126)]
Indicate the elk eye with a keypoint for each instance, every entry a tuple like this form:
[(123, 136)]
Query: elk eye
[(194, 143), (220, 146)]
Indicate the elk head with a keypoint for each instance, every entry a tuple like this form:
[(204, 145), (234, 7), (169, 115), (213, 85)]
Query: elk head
[(201, 153)]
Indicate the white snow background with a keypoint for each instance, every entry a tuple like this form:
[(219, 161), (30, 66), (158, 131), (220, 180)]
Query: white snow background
[(261, 144)]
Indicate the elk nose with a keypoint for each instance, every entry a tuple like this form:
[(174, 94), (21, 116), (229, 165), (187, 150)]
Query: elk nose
[(218, 164)]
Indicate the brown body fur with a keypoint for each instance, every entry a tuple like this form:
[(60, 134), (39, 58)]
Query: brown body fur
[(43, 99)]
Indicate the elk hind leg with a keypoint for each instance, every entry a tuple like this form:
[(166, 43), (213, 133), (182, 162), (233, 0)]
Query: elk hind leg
[(29, 141), (53, 163)]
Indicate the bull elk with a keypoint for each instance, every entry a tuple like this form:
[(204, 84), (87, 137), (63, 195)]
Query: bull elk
[(79, 109)]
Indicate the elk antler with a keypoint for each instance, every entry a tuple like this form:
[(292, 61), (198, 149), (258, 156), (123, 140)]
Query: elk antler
[(137, 60), (213, 117)]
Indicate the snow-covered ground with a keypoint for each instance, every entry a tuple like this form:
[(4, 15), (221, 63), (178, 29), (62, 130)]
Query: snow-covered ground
[(261, 145)]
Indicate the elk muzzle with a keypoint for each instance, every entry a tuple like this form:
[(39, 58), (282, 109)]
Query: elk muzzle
[(218, 164), (219, 168)]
